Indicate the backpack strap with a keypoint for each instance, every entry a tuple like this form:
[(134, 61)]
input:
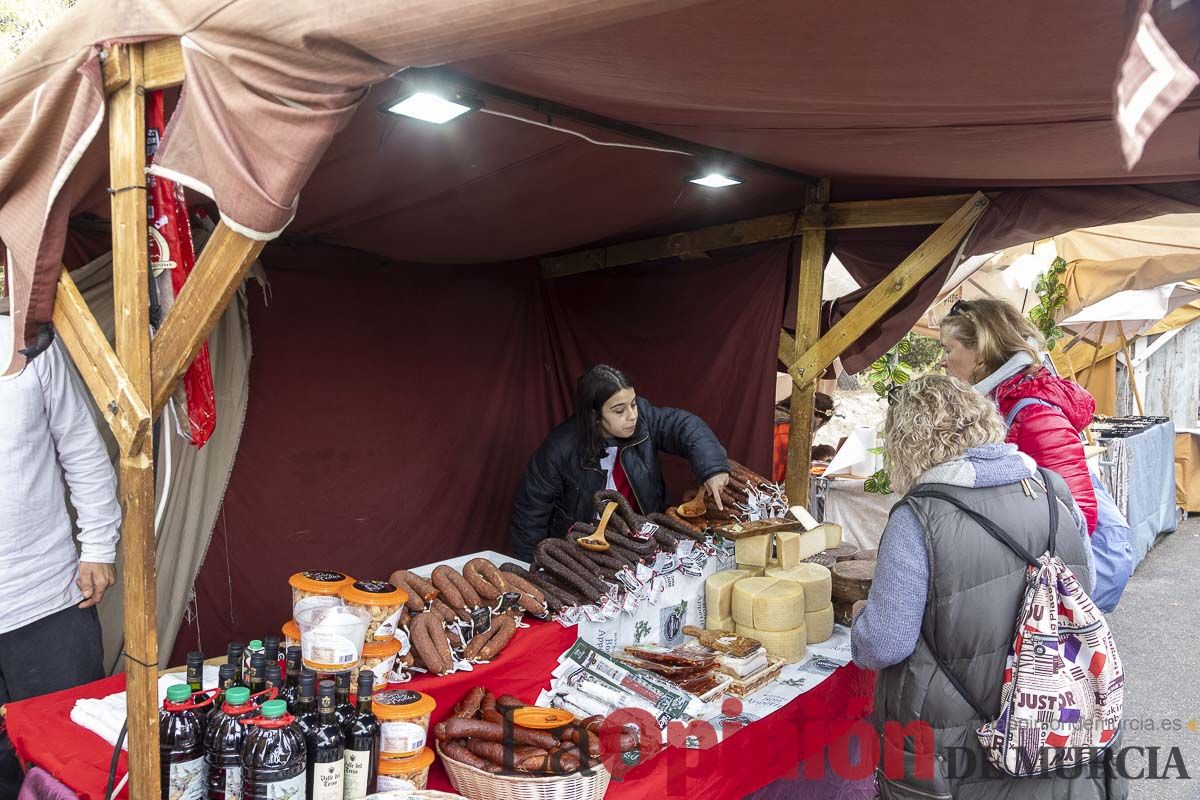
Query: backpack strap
[(1001, 536), (1021, 405)]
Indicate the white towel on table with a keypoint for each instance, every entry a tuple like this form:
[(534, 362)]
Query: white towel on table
[(105, 716)]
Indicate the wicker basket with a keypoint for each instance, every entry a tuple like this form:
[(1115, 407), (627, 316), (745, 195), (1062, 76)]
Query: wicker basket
[(479, 785)]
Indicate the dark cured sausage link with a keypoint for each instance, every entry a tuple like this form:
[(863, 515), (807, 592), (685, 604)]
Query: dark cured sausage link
[(547, 583), (415, 602), (674, 514), (504, 628), (476, 644), (447, 589), (554, 595), (515, 582), (676, 527), (600, 559), (420, 585), (619, 539), (570, 577), (456, 750), (457, 728), (468, 707), (666, 539), (492, 752), (605, 496), (613, 552), (555, 555)]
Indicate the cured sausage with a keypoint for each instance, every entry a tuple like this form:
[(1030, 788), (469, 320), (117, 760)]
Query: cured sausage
[(555, 557), (415, 602), (502, 632), (674, 525), (456, 750), (468, 707), (458, 728)]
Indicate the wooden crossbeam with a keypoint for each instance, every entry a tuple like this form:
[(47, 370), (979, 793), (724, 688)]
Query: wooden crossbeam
[(127, 173), (817, 217), (126, 413), (808, 330), (219, 271), (162, 65), (810, 366), (787, 347)]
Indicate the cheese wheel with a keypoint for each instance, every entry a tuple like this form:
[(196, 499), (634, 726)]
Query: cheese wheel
[(718, 592), (795, 546), (768, 604), (790, 645), (753, 550), (753, 571), (833, 534), (819, 624), (722, 624), (815, 579)]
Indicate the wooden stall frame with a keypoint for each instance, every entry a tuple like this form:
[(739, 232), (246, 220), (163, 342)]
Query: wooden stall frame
[(132, 382)]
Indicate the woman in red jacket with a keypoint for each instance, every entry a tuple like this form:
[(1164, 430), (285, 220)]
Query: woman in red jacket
[(989, 343)]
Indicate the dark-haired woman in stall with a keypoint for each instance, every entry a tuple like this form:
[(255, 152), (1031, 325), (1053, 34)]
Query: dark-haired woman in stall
[(612, 441)]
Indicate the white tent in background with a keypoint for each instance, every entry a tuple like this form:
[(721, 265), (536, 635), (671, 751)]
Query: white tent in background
[(1130, 313)]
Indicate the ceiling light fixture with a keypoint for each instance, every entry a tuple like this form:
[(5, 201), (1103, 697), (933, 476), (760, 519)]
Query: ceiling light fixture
[(715, 180), (431, 107)]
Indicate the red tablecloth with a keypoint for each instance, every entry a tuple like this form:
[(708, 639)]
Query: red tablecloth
[(771, 748)]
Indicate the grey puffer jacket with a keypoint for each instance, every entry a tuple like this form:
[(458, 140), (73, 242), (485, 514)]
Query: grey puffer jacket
[(976, 586)]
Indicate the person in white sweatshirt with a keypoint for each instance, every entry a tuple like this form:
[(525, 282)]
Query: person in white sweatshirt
[(50, 448)]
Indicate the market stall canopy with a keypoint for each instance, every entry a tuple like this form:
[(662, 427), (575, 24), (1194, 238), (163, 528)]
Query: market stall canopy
[(886, 100), (1130, 313)]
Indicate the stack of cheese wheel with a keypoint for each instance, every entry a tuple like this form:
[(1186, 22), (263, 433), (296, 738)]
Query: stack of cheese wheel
[(771, 611), (718, 599), (817, 583)]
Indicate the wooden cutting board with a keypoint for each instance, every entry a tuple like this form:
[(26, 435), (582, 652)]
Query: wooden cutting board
[(745, 530), (852, 580)]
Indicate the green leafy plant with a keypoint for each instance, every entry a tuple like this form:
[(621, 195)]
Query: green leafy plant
[(887, 374), (1052, 296)]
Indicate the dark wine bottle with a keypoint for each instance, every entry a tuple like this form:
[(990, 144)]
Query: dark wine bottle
[(234, 654), (291, 681), (257, 675), (195, 671), (326, 749), (224, 684), (306, 704), (274, 677), (344, 709), (362, 742), (271, 649)]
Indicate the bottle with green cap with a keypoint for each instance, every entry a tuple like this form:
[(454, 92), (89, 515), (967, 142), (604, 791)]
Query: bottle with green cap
[(273, 756), (223, 744), (225, 682), (181, 746), (255, 646)]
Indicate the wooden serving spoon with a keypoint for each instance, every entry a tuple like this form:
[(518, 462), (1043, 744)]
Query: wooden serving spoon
[(695, 507), (596, 541)]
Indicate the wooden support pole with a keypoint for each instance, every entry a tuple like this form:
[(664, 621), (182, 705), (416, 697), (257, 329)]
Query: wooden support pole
[(127, 415), (1087, 384), (829, 216), (1137, 395), (787, 347), (162, 65), (219, 272), (808, 330), (810, 366), (127, 173)]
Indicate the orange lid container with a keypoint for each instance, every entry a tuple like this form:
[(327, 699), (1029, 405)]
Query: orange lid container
[(396, 704), (320, 581), (381, 648), (399, 767), (372, 593), (291, 630)]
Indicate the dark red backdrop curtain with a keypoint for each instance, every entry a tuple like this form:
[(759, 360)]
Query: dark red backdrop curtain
[(393, 407)]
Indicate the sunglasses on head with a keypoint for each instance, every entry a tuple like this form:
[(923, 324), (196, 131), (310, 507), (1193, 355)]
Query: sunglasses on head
[(959, 307)]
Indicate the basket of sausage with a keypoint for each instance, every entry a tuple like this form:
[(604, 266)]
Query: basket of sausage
[(492, 750)]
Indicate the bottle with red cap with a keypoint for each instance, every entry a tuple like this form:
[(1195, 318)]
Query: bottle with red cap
[(181, 746), (273, 756)]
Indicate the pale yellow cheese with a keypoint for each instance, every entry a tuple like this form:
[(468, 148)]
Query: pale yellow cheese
[(833, 534), (718, 592), (790, 645), (722, 624), (753, 550), (819, 624), (795, 546), (768, 604), (815, 579), (754, 572)]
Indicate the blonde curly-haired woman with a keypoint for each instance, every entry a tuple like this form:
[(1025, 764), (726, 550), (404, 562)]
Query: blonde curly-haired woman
[(945, 589)]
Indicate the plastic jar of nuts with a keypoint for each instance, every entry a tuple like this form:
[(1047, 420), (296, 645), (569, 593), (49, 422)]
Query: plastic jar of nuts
[(316, 587), (382, 600), (380, 658), (403, 722)]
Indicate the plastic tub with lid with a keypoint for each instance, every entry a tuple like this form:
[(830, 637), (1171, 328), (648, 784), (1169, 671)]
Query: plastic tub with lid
[(331, 637), (400, 773), (403, 722), (291, 634), (316, 587), (380, 658), (383, 601)]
